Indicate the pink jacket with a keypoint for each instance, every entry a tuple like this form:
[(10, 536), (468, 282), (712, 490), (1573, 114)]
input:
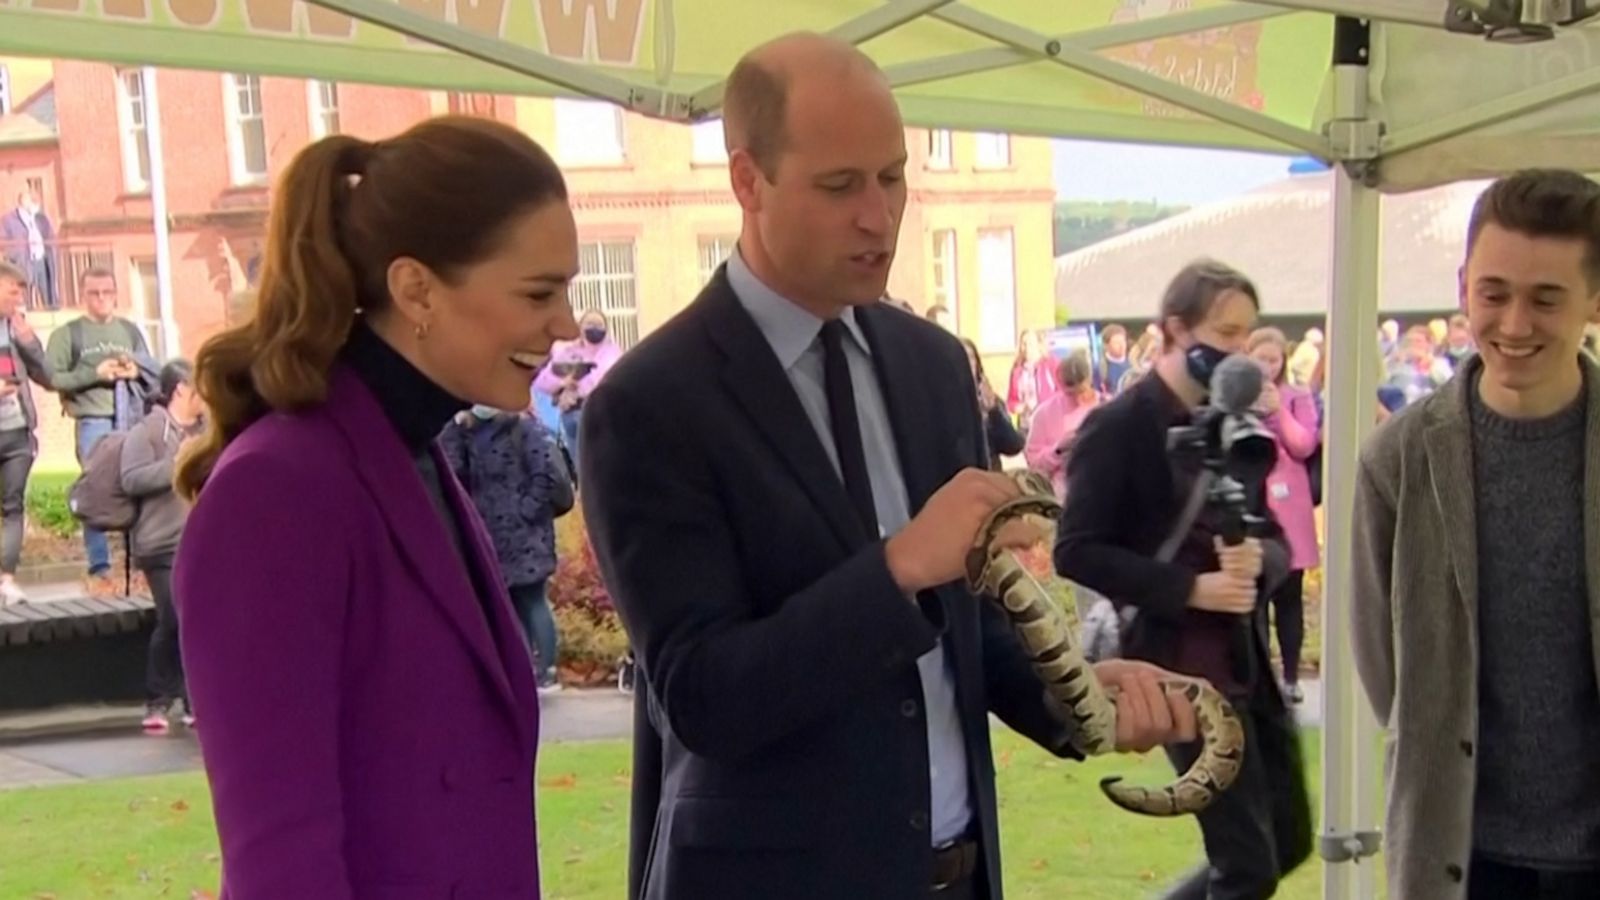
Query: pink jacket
[(1056, 422), (1042, 376), (1297, 429)]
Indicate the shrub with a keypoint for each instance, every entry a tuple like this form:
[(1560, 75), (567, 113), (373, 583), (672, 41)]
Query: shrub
[(592, 638), (47, 503)]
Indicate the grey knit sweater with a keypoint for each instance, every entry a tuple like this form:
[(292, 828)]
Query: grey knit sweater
[(1538, 791)]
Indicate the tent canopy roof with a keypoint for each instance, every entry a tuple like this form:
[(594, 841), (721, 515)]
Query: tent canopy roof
[(1194, 72)]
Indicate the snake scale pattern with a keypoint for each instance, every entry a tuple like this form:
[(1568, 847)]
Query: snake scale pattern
[(1050, 639)]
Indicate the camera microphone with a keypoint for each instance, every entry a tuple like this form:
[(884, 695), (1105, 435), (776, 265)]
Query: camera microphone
[(1236, 384)]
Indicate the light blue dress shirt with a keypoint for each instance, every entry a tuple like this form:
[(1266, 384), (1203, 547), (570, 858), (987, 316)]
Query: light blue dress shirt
[(795, 337)]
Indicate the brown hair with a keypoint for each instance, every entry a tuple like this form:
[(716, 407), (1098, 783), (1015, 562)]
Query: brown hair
[(755, 105), (1555, 203), (1193, 292), (442, 193), (1073, 371), (96, 272), (1270, 335), (12, 273)]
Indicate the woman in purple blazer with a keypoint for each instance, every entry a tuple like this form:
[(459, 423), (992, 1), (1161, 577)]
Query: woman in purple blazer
[(368, 700)]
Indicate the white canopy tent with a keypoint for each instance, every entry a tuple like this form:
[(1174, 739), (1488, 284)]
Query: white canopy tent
[(1407, 102)]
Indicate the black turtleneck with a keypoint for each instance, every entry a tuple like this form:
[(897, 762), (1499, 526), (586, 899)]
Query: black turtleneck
[(416, 406), (418, 409)]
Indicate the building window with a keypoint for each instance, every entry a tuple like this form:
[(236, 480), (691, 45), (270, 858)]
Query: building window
[(997, 295), (607, 281), (714, 250), (939, 152), (709, 147), (588, 132), (323, 101), (247, 130), (946, 289), (135, 135), (994, 150), (147, 303), (464, 104), (5, 90)]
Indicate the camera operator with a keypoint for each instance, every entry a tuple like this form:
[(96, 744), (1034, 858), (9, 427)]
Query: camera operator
[(1199, 610)]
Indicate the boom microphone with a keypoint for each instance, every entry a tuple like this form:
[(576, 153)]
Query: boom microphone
[(1236, 384)]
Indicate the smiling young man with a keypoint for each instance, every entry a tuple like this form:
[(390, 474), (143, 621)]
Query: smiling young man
[(1477, 571)]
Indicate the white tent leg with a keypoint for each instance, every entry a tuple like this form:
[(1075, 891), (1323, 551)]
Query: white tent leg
[(1349, 786), (1351, 409)]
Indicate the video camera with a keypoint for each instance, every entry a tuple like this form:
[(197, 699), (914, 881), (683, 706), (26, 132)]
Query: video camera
[(1231, 442)]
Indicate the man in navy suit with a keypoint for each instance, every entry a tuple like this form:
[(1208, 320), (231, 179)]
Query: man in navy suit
[(782, 484)]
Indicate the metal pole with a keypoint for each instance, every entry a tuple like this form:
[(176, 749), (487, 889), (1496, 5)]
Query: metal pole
[(169, 343), (1348, 788)]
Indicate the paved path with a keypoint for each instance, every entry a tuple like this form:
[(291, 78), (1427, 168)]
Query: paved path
[(124, 752), (568, 716)]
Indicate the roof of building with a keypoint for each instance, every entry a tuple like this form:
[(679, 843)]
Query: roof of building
[(1280, 235), (32, 122)]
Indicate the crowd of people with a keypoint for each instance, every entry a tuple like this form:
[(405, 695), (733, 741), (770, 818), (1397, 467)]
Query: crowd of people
[(782, 486)]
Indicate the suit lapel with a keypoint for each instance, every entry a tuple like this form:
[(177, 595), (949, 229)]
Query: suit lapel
[(757, 381), (1449, 447), (392, 479), (903, 377)]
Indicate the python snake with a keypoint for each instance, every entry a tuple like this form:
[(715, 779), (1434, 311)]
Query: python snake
[(1050, 638)]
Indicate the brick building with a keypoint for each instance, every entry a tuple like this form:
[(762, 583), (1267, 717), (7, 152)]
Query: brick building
[(651, 198)]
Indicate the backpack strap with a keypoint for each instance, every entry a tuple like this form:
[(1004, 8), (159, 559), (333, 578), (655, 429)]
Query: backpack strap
[(75, 341)]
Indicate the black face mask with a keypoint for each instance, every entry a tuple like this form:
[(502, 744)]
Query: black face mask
[(1202, 360)]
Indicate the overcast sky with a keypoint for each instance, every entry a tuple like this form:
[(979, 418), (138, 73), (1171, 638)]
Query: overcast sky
[(1086, 170)]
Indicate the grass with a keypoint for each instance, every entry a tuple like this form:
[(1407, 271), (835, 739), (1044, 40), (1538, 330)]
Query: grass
[(154, 837)]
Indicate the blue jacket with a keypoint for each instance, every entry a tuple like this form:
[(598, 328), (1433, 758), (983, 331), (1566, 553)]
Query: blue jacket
[(509, 468)]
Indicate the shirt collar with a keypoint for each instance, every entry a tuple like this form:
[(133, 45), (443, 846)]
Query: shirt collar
[(788, 327)]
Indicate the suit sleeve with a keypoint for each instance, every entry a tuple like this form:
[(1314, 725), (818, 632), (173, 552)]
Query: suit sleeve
[(1089, 544), (264, 570), (1371, 594), (730, 684)]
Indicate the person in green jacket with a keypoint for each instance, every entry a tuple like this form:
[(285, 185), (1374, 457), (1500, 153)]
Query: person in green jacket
[(87, 357)]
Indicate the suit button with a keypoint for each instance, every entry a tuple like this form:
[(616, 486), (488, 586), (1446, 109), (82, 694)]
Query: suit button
[(908, 708), (919, 821), (450, 778), (1466, 747), (1454, 871)]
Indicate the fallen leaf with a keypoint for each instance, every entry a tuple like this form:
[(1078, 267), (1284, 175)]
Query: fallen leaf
[(1039, 865), (180, 806), (1005, 759), (44, 896), (212, 858), (560, 783), (1147, 875), (198, 894)]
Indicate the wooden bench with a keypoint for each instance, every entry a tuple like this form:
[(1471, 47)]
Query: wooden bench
[(79, 650)]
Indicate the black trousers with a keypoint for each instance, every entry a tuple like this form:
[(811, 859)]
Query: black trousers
[(1490, 880), (1260, 829), (16, 461), (1289, 616), (164, 681)]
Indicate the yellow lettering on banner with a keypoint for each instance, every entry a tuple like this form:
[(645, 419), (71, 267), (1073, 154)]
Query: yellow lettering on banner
[(194, 13), (126, 9), (280, 17), (483, 16), (585, 30)]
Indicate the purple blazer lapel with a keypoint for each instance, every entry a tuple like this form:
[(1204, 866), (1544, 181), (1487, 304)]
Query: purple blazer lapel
[(514, 655), (425, 546)]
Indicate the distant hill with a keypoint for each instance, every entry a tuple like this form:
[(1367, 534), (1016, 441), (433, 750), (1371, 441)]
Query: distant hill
[(1080, 223)]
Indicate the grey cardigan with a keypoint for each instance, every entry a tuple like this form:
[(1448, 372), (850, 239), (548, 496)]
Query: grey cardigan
[(1414, 618)]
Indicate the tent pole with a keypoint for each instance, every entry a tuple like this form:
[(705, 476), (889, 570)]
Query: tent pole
[(1348, 788)]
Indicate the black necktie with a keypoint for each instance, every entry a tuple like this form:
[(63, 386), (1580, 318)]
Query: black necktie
[(846, 428)]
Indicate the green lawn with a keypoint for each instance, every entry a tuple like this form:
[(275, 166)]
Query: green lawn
[(153, 837)]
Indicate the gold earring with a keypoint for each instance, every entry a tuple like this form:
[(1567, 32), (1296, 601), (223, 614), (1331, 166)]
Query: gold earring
[(422, 331)]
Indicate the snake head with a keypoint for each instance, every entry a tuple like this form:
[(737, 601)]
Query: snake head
[(1033, 484)]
